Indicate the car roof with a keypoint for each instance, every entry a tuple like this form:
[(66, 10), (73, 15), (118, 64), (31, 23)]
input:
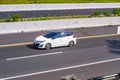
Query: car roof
[(62, 31)]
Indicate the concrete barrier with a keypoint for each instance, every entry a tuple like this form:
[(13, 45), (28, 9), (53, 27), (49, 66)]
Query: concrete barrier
[(32, 7), (17, 27)]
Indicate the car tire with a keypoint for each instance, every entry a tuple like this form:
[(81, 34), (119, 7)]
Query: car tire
[(71, 43), (48, 46)]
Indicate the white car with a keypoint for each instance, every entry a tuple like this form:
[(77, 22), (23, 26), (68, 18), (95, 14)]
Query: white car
[(55, 39)]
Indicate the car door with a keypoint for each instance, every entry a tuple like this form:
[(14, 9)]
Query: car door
[(65, 39), (62, 39), (57, 40)]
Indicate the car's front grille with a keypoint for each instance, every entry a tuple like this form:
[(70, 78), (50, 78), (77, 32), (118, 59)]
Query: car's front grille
[(36, 45)]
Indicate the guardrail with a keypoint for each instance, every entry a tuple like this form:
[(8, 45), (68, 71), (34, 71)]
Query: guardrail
[(17, 27), (107, 77), (30, 7)]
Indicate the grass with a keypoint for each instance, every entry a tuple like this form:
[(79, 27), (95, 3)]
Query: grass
[(43, 18), (55, 1)]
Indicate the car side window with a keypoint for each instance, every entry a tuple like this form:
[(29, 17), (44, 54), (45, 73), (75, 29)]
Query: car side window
[(71, 33), (61, 34), (67, 34), (58, 35), (50, 34)]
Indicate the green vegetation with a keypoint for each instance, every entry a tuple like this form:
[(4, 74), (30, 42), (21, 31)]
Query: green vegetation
[(97, 13), (106, 13), (116, 11), (54, 1), (16, 17)]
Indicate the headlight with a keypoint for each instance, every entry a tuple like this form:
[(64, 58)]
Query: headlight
[(42, 41), (39, 41)]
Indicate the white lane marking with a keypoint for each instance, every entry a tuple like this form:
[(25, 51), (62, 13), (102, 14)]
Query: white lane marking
[(65, 68), (23, 57)]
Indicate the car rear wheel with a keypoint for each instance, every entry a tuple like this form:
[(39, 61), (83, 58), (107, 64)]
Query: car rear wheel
[(47, 46), (71, 43)]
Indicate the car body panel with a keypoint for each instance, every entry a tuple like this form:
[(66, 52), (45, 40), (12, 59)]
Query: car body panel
[(55, 38)]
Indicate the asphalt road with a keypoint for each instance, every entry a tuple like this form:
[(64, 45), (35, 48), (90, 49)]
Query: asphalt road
[(91, 57), (95, 56), (44, 13), (79, 32), (82, 73)]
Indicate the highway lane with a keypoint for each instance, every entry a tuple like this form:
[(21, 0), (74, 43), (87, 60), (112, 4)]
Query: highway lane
[(18, 51), (86, 51), (79, 32), (44, 13), (82, 73)]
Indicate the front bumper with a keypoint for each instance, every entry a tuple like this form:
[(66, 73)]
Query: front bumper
[(38, 45)]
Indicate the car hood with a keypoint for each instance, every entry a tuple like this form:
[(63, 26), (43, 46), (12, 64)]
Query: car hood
[(40, 38)]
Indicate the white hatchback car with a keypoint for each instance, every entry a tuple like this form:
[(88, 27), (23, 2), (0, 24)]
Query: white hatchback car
[(55, 39)]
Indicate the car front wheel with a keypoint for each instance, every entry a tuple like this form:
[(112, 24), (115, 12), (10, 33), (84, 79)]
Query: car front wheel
[(47, 46)]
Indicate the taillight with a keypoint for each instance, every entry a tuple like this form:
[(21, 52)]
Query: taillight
[(74, 36)]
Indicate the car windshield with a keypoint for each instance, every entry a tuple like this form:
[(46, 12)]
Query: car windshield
[(50, 34)]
